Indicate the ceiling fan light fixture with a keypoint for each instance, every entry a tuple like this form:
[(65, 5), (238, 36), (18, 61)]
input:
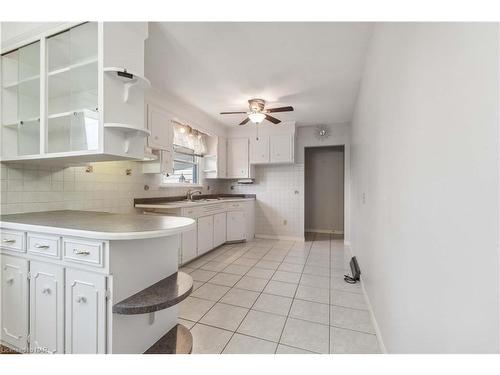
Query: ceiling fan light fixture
[(257, 117)]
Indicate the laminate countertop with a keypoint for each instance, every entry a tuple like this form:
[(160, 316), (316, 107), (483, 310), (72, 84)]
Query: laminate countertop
[(97, 225)]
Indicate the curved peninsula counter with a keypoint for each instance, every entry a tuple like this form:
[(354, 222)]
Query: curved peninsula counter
[(92, 282)]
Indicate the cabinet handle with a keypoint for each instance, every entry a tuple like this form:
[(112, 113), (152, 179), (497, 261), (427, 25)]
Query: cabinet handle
[(81, 299), (38, 246), (81, 252), (9, 241), (46, 291), (10, 281)]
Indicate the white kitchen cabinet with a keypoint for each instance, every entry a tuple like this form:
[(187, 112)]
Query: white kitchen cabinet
[(46, 308), (189, 245), (236, 226), (85, 312), (281, 148), (259, 150), (161, 127), (14, 302), (205, 234), (219, 229), (163, 165), (222, 158), (75, 94), (238, 165)]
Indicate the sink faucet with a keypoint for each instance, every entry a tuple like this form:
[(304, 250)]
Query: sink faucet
[(190, 193)]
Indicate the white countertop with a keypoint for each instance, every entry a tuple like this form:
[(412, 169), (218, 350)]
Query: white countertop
[(98, 225), (196, 203)]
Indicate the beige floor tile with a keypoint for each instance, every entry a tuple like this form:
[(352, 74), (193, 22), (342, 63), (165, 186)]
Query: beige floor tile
[(209, 340), (262, 325), (344, 341), (224, 316), (211, 292), (251, 283), (241, 344), (194, 308), (315, 281), (306, 335), (202, 275), (347, 299), (260, 273), (214, 266), (358, 320), (237, 269), (310, 311), (240, 297), (267, 264), (313, 294), (279, 288), (285, 349), (225, 279), (273, 304), (291, 267), (287, 277)]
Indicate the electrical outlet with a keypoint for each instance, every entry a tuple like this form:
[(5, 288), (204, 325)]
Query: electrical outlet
[(89, 169)]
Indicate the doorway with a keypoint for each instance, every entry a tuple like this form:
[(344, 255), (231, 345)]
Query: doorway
[(324, 190)]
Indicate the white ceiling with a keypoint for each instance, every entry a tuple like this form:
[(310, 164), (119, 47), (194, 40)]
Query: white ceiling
[(315, 67)]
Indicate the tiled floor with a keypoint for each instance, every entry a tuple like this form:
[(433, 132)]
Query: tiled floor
[(269, 296)]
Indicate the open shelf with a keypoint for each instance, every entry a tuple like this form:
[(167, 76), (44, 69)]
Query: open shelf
[(177, 341), (129, 79), (17, 123), (126, 128), (74, 66), (92, 113), (165, 293), (13, 85)]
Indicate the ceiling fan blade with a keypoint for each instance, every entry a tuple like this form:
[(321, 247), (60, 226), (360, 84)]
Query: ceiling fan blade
[(280, 109), (274, 120), (244, 121), (231, 113)]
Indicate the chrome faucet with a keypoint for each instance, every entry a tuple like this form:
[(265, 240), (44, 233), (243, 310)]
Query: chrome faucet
[(190, 193)]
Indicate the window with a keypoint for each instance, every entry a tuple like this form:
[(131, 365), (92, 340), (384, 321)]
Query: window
[(186, 167), (189, 147)]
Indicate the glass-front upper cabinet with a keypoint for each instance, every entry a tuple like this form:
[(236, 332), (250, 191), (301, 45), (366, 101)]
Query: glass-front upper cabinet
[(20, 120), (72, 90)]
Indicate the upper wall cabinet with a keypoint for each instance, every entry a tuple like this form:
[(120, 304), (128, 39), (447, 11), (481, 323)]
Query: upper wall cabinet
[(75, 95), (272, 149), (161, 127)]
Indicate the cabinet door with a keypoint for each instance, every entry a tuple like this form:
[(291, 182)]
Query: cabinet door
[(160, 125), (46, 308), (205, 234), (189, 240), (166, 162), (236, 226), (219, 229), (85, 312), (222, 158), (237, 158), (15, 302), (281, 149), (259, 150)]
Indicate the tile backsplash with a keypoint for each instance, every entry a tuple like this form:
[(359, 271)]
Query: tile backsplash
[(279, 209), (27, 188)]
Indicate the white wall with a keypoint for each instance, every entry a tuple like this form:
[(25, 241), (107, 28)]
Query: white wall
[(425, 157), (324, 189)]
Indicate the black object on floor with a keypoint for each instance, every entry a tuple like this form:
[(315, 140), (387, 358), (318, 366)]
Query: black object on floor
[(356, 272)]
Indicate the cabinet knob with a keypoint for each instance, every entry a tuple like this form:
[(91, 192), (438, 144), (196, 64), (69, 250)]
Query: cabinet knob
[(9, 241), (81, 299), (38, 246), (46, 291), (10, 281)]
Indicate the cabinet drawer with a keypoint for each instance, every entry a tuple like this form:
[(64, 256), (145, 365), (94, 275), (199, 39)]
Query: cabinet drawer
[(214, 208), (234, 206), (12, 240), (192, 212), (84, 252), (43, 245)]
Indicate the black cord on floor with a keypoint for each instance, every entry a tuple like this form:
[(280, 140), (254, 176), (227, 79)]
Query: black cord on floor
[(349, 279)]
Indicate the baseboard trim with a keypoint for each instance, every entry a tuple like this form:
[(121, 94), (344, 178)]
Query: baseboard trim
[(278, 237), (378, 333), (329, 231)]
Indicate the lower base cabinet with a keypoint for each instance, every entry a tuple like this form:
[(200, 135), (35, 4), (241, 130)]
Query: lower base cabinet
[(236, 226), (15, 301), (205, 234), (46, 308), (219, 229), (189, 245), (85, 312)]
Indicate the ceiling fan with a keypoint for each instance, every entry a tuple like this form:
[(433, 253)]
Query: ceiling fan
[(258, 113)]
